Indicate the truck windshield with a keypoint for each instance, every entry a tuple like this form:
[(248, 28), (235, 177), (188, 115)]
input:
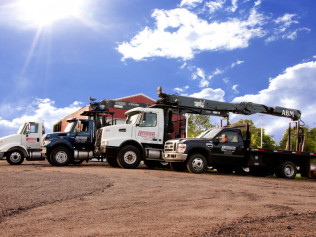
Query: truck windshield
[(132, 118), (21, 128), (210, 134), (69, 126)]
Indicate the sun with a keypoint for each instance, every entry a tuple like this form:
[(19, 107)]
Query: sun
[(45, 12)]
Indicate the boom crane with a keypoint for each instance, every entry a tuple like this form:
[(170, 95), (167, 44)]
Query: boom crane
[(212, 107)]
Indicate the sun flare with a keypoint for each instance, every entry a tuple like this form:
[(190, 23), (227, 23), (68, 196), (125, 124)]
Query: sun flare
[(46, 12)]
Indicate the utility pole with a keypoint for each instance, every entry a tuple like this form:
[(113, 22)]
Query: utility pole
[(261, 115)]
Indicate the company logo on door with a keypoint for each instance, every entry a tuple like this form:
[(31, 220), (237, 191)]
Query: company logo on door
[(146, 135), (31, 139)]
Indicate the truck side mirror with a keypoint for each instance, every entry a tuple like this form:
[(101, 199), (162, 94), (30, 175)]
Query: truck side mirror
[(216, 140)]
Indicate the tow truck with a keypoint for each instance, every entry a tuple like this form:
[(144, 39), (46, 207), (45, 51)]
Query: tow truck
[(24, 144)]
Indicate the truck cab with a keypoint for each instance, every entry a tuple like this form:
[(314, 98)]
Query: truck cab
[(140, 138), (73, 145), (24, 144), (221, 148)]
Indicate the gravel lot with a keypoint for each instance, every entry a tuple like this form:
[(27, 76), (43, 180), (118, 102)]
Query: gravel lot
[(94, 199)]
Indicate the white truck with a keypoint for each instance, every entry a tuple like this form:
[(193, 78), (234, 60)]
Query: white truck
[(26, 143)]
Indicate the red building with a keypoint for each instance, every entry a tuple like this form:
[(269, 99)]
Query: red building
[(119, 116)]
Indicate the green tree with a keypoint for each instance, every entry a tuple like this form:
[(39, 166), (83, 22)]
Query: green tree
[(198, 124), (267, 140), (310, 139)]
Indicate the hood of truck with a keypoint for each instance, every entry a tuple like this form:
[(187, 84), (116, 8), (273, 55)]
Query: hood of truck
[(116, 134), (10, 140), (56, 135)]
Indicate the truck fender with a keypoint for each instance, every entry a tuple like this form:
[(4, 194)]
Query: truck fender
[(61, 142), (136, 144), (19, 148), (200, 150)]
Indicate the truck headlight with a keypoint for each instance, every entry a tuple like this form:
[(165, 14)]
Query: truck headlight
[(45, 143), (181, 148)]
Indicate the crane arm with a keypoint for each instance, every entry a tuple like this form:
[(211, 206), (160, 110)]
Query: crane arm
[(211, 107)]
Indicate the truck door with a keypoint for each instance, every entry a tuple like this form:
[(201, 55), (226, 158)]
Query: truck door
[(83, 135), (228, 148), (31, 136), (147, 131)]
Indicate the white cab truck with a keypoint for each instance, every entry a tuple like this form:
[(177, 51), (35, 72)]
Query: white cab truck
[(25, 144), (140, 138)]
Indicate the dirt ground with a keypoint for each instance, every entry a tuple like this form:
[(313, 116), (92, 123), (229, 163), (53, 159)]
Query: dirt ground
[(94, 199)]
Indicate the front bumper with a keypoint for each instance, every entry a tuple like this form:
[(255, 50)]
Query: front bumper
[(1, 155), (174, 157)]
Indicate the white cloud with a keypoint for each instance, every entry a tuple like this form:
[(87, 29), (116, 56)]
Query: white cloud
[(226, 80), (40, 109), (238, 62), (190, 3), (234, 88), (294, 88), (286, 20), (284, 29), (210, 94), (191, 35), (215, 5), (180, 90), (234, 6)]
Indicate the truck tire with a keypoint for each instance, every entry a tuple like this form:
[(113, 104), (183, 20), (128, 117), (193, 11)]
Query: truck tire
[(15, 157), (178, 166), (60, 156), (287, 169), (196, 164), (129, 157), (49, 160), (112, 161)]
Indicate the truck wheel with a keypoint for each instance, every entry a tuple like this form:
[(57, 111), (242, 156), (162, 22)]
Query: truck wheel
[(49, 160), (178, 166), (112, 161), (287, 170), (128, 157), (196, 164), (60, 156), (15, 157)]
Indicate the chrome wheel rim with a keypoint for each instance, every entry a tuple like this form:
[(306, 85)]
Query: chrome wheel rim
[(61, 157), (289, 170), (130, 157), (197, 164), (15, 157)]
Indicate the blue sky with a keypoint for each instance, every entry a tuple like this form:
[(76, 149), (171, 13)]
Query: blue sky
[(55, 54)]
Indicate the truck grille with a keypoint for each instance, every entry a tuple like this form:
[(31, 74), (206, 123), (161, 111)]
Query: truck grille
[(170, 146)]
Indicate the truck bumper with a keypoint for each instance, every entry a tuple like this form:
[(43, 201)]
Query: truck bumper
[(174, 157), (1, 155)]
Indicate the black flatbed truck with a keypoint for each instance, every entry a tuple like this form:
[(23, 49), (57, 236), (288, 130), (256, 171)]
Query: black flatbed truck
[(227, 149)]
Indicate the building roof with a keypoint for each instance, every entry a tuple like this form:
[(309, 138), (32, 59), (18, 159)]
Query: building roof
[(136, 95)]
